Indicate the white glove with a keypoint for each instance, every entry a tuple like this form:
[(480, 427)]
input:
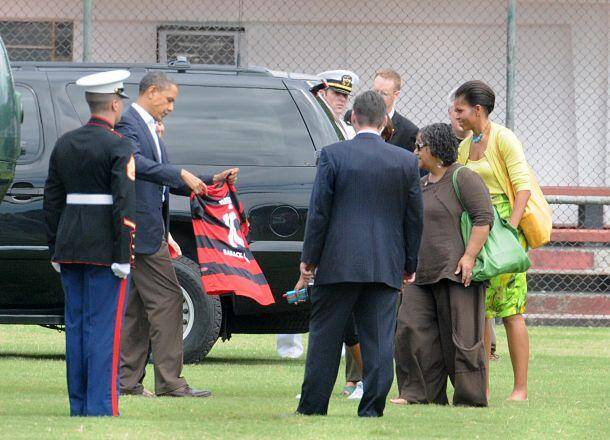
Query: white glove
[(56, 266), (121, 270)]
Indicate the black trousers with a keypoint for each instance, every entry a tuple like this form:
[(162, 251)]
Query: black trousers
[(374, 308)]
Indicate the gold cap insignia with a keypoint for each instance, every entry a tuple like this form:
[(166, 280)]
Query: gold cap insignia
[(346, 80)]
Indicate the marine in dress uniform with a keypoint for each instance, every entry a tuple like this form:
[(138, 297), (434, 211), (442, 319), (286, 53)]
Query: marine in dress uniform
[(89, 207), (340, 85)]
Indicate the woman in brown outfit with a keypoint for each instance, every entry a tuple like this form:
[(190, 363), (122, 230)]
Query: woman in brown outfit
[(441, 318)]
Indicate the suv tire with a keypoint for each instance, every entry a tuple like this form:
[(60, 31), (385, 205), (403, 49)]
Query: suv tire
[(202, 313)]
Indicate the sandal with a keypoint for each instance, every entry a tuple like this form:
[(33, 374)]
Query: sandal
[(399, 401), (347, 391)]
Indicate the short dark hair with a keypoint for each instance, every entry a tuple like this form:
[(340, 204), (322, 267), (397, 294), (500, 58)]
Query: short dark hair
[(442, 142), (157, 79), (100, 102), (369, 109), (477, 93)]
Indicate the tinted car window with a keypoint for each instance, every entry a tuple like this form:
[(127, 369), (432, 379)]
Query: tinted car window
[(31, 129), (237, 126), (228, 126), (318, 118), (77, 98)]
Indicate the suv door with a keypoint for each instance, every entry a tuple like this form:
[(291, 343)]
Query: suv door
[(260, 130), (10, 118), (27, 279)]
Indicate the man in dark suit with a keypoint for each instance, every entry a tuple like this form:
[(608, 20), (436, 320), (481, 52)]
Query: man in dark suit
[(153, 316), (388, 83), (362, 237)]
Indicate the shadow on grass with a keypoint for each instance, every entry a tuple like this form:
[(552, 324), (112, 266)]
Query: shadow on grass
[(252, 361), (34, 356), (207, 360)]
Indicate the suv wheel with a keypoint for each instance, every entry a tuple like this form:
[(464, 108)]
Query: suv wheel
[(201, 313)]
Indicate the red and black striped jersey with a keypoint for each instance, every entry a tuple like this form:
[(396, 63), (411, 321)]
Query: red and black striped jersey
[(225, 260)]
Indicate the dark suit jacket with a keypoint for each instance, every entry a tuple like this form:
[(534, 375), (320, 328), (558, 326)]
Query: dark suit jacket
[(365, 215), (405, 132), (152, 174)]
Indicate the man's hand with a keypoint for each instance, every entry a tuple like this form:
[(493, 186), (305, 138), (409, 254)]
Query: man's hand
[(408, 278), (229, 175), (307, 271), (160, 129), (194, 182), (172, 244), (306, 275), (465, 266)]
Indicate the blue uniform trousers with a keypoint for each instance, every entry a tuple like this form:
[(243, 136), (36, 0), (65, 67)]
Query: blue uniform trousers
[(94, 307), (374, 309)]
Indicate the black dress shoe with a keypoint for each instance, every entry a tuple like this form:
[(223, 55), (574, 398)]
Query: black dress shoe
[(143, 393), (187, 391)]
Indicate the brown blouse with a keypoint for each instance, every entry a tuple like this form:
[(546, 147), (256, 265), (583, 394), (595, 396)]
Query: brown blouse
[(442, 246)]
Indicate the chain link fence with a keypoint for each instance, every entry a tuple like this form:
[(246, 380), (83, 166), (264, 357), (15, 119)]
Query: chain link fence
[(561, 96)]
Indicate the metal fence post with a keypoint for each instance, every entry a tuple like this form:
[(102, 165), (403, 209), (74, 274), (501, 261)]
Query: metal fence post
[(510, 64), (87, 11), (238, 59)]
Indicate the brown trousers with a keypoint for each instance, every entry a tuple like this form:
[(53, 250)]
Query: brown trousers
[(439, 335), (153, 318)]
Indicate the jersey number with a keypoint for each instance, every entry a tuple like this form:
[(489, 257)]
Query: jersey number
[(230, 219)]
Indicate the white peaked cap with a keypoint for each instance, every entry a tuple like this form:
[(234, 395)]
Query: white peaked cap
[(105, 82)]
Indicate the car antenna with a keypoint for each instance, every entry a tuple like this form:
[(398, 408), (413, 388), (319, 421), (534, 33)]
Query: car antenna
[(181, 64)]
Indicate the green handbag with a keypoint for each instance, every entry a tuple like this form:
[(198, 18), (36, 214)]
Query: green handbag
[(501, 253)]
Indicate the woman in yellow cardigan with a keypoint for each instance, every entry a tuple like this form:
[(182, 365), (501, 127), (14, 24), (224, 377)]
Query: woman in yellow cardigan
[(495, 153)]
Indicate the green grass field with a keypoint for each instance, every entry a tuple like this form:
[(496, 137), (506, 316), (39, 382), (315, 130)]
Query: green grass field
[(253, 389)]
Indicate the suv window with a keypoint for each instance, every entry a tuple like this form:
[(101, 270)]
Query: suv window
[(77, 98), (234, 126), (31, 129), (238, 126)]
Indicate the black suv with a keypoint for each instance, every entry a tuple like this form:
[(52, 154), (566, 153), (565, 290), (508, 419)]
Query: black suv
[(270, 125)]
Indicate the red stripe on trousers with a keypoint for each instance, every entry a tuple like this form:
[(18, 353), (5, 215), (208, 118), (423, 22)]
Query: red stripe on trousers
[(116, 347)]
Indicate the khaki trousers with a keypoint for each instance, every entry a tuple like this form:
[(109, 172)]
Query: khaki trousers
[(439, 335), (153, 318)]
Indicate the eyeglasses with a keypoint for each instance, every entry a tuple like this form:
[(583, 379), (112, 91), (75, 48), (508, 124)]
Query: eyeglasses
[(419, 147)]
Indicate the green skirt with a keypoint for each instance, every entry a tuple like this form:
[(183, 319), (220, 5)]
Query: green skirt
[(506, 293)]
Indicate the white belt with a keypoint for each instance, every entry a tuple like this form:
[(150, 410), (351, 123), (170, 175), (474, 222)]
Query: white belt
[(89, 199)]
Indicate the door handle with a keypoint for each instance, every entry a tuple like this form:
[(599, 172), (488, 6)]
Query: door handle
[(24, 191)]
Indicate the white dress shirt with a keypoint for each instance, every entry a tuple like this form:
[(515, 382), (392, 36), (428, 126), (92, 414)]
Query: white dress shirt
[(366, 130), (348, 130), (152, 127)]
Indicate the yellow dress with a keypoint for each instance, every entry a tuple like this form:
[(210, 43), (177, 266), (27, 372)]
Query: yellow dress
[(505, 172)]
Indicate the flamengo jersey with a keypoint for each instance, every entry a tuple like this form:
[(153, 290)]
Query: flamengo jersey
[(226, 262)]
